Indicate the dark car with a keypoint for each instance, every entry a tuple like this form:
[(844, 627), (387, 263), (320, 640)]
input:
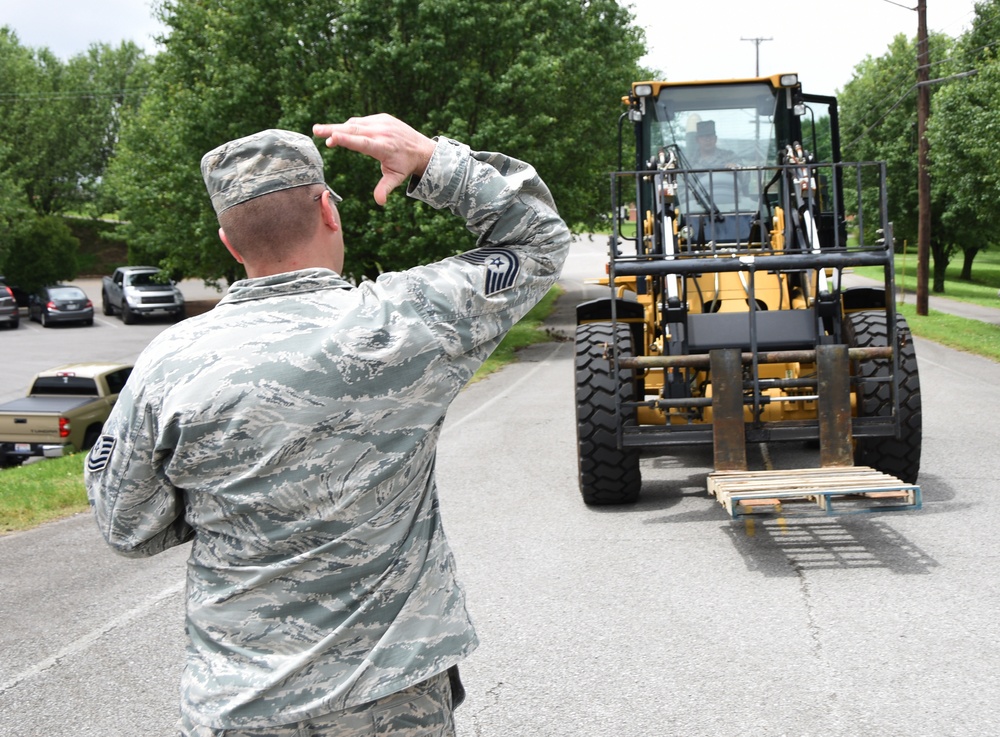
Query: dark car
[(60, 303), (10, 313)]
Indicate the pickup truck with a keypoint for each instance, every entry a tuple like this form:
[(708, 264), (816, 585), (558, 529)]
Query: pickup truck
[(64, 411), (134, 291)]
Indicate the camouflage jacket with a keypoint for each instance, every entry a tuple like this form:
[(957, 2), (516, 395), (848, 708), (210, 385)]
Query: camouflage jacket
[(291, 433)]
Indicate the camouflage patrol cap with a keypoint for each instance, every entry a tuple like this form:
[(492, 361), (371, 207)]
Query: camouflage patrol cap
[(265, 162), (706, 128)]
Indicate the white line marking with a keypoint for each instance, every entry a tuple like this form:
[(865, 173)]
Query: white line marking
[(85, 641), (486, 405)]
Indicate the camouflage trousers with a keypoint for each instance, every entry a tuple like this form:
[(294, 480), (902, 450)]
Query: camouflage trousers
[(423, 710)]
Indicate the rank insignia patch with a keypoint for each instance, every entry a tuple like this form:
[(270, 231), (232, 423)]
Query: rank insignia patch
[(100, 454), (501, 265)]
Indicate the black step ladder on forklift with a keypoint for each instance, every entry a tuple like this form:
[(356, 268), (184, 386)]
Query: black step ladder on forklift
[(837, 487)]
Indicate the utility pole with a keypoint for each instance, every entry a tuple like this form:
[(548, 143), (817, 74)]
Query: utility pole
[(757, 42), (923, 156)]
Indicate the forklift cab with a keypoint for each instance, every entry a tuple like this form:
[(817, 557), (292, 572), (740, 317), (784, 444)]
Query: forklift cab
[(719, 148)]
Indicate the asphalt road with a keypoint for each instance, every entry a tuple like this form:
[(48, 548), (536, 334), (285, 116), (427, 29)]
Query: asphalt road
[(663, 618)]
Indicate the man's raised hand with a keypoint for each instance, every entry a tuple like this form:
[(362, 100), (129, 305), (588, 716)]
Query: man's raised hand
[(402, 151)]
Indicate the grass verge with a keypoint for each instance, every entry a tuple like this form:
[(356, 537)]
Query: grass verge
[(42, 491), (971, 336), (51, 489), (981, 290), (529, 331)]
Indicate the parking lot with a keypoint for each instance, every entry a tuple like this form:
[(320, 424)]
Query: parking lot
[(32, 348)]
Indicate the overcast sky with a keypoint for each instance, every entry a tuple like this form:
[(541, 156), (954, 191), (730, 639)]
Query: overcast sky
[(694, 39), (820, 41)]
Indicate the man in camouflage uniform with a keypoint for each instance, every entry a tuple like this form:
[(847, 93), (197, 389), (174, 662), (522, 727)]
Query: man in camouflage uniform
[(291, 434)]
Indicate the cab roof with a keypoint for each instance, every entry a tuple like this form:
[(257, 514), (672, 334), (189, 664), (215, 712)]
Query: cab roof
[(90, 370), (778, 81)]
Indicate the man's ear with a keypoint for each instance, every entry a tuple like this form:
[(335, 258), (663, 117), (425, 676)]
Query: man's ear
[(229, 246), (331, 218)]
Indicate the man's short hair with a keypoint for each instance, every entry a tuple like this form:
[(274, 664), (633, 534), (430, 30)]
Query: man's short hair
[(269, 161), (272, 227)]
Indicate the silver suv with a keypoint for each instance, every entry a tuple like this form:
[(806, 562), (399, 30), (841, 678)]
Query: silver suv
[(10, 314)]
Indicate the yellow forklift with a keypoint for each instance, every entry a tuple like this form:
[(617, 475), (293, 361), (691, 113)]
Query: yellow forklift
[(726, 320)]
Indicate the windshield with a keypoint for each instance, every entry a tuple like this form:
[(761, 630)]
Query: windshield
[(715, 125), (718, 130), (146, 279)]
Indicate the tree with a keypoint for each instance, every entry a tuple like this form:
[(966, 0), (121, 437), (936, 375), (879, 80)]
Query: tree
[(114, 81), (61, 120), (11, 208), (540, 80), (879, 123), (878, 118), (42, 251), (16, 217), (60, 123), (965, 137), (15, 62)]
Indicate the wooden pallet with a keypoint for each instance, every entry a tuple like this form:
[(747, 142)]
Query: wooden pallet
[(824, 491)]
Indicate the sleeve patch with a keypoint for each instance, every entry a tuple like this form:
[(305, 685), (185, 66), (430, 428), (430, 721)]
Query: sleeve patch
[(100, 454), (501, 265)]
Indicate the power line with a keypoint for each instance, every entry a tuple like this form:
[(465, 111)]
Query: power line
[(901, 81), (915, 85), (959, 55), (73, 95)]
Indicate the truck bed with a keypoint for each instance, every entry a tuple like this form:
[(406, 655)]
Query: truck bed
[(44, 405)]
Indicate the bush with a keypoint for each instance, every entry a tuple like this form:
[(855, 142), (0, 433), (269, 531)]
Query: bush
[(42, 251)]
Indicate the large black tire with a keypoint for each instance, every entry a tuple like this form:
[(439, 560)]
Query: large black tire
[(106, 307), (899, 457), (608, 474), (128, 317)]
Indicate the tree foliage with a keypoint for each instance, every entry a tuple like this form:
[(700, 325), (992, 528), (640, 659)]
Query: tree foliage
[(540, 80), (878, 115), (11, 206), (61, 119), (42, 251), (15, 63), (59, 123), (879, 118), (965, 136)]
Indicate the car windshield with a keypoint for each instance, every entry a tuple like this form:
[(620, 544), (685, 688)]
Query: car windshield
[(68, 294)]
